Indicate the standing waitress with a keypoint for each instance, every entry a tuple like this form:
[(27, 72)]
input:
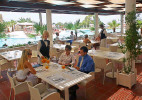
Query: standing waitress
[(103, 36), (43, 47)]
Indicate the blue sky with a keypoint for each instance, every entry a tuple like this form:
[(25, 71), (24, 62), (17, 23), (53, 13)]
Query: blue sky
[(7, 16)]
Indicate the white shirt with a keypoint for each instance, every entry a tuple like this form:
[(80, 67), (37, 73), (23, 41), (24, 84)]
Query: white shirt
[(72, 37), (57, 39), (66, 59)]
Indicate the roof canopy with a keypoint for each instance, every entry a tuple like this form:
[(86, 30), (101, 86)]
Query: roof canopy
[(89, 7)]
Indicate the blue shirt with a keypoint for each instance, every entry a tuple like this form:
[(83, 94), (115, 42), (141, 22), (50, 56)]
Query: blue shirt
[(87, 64)]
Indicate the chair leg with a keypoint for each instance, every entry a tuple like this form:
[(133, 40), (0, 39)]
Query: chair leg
[(10, 93), (85, 93), (104, 79)]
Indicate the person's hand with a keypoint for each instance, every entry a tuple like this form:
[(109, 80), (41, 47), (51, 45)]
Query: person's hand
[(42, 57), (28, 73), (76, 67)]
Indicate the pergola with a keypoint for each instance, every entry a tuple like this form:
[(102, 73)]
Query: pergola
[(88, 7)]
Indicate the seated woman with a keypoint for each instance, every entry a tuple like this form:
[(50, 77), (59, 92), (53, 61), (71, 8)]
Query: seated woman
[(86, 40), (25, 68), (67, 58)]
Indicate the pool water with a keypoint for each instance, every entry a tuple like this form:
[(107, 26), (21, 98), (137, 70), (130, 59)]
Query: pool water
[(15, 41), (63, 34)]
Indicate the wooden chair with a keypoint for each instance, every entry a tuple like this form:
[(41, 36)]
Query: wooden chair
[(113, 48), (18, 88), (89, 46), (40, 92), (5, 65), (82, 44), (101, 63), (55, 53), (33, 59), (104, 48), (85, 82)]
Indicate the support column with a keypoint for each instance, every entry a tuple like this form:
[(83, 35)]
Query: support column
[(130, 5), (40, 19), (96, 24), (49, 26), (122, 21)]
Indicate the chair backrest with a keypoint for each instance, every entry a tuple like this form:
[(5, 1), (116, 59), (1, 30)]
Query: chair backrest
[(104, 48), (76, 44), (5, 64), (89, 46), (55, 52), (33, 59), (77, 58), (100, 62), (34, 53), (34, 93), (11, 80), (93, 75), (76, 50), (53, 96), (113, 48), (34, 47), (82, 44)]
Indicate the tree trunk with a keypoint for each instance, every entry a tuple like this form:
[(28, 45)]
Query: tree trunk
[(114, 30), (141, 31)]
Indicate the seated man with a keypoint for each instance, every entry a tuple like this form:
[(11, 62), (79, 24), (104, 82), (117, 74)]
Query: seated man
[(85, 63), (67, 58), (57, 40)]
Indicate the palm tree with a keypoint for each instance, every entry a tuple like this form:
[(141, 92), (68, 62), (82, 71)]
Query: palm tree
[(2, 28), (39, 28), (13, 24), (113, 25), (22, 20), (140, 25), (68, 25)]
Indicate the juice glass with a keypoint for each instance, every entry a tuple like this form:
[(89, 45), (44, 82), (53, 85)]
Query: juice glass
[(63, 67)]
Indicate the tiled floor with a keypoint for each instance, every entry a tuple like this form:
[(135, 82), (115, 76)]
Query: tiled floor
[(95, 89)]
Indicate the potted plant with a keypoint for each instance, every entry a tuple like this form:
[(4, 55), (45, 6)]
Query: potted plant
[(131, 48)]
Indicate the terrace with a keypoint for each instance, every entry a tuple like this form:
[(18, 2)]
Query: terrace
[(95, 89)]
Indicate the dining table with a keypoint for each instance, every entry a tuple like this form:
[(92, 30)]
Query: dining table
[(113, 56), (61, 46), (11, 55), (61, 79), (92, 41)]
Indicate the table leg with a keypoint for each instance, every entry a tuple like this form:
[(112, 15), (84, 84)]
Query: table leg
[(67, 93), (113, 73)]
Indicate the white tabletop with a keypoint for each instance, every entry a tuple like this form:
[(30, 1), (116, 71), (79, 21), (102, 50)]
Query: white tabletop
[(123, 35), (92, 41), (65, 40), (106, 54), (114, 44), (11, 55), (61, 46), (60, 78)]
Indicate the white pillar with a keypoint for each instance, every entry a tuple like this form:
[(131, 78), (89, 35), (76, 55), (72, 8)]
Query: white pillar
[(96, 24), (130, 5), (40, 19), (122, 21), (49, 26)]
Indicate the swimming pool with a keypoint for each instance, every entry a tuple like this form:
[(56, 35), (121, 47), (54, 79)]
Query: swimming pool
[(15, 41), (63, 34)]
